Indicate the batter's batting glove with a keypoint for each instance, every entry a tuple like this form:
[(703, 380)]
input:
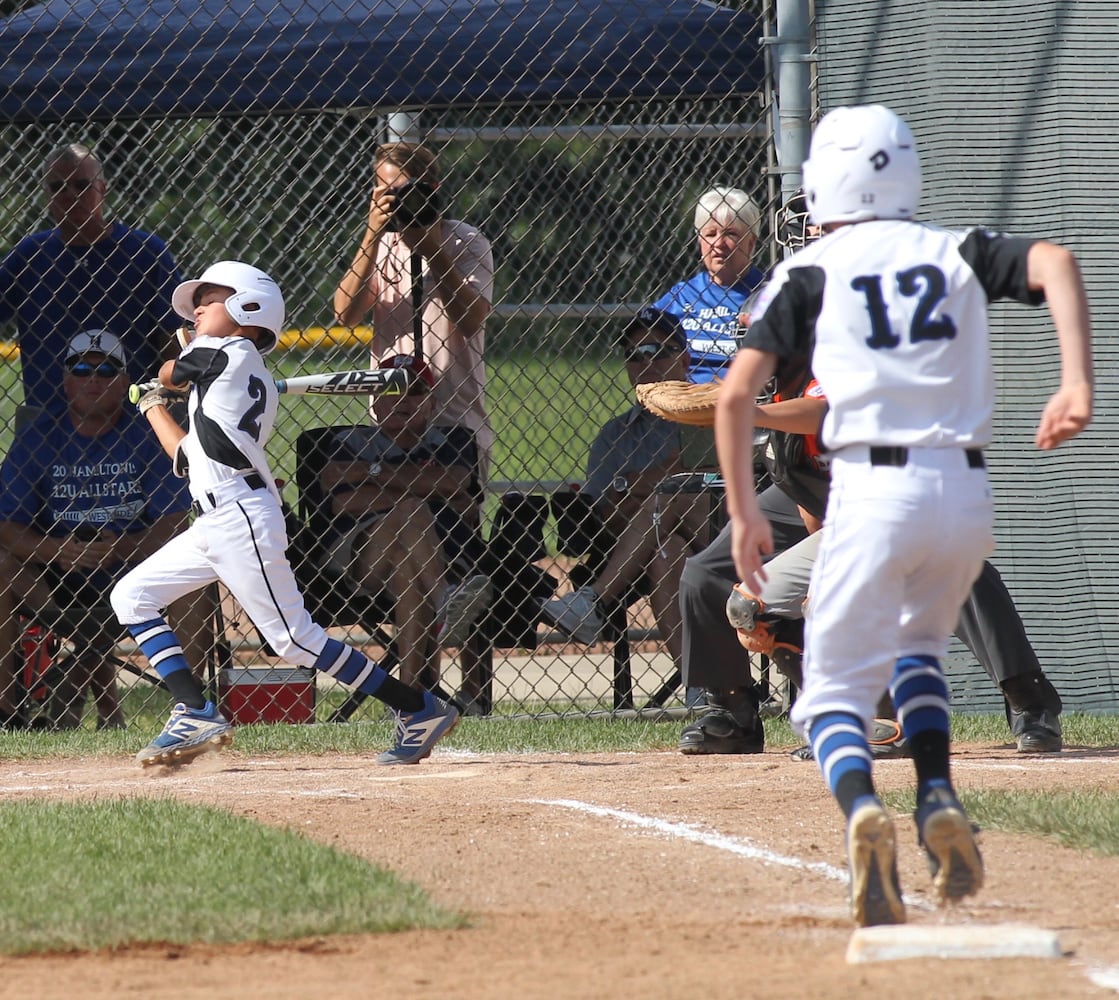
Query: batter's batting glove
[(159, 396)]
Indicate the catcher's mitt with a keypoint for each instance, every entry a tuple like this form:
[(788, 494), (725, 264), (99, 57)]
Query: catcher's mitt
[(681, 402)]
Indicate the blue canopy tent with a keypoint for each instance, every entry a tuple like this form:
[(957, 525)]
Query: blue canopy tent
[(97, 60)]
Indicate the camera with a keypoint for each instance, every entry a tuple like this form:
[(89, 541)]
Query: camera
[(417, 204)]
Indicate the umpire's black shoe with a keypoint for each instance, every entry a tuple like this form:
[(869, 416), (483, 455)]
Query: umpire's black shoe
[(717, 731), (1037, 732)]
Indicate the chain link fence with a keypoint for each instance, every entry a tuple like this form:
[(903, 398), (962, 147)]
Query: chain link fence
[(587, 199)]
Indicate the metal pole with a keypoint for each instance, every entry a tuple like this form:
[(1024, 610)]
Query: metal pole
[(794, 91), (401, 126)]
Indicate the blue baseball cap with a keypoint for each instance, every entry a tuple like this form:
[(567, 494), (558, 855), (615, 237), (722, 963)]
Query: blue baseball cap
[(651, 318)]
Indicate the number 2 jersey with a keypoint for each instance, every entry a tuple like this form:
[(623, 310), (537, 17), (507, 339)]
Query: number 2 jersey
[(232, 408), (893, 317)]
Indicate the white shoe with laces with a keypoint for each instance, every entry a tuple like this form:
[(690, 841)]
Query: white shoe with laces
[(462, 605)]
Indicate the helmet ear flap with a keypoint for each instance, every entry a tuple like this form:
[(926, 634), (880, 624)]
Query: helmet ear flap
[(248, 308)]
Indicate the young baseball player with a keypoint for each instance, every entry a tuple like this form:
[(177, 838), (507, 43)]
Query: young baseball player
[(238, 534), (894, 315)]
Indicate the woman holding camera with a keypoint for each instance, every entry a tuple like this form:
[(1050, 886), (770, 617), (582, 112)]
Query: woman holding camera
[(409, 247)]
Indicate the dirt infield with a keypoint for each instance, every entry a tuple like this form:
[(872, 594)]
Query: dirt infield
[(611, 875)]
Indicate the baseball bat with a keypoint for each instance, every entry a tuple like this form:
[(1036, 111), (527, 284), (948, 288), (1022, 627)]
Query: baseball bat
[(359, 382)]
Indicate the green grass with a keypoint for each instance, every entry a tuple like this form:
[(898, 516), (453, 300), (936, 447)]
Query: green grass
[(1085, 821), (495, 734), (107, 874)]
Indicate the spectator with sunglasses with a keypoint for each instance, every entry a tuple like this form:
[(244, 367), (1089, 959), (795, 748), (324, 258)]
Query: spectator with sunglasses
[(82, 497), (86, 271), (648, 534)]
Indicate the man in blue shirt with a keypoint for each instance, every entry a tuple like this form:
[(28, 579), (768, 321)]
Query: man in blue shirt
[(709, 304), (86, 272), (79, 503)]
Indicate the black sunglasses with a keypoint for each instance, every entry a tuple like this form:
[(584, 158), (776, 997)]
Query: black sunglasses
[(79, 185), (103, 369), (651, 352)]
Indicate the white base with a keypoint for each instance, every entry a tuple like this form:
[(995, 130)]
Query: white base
[(894, 943)]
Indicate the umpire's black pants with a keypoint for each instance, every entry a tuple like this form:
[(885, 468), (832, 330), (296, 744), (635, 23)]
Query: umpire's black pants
[(989, 623), (712, 654)]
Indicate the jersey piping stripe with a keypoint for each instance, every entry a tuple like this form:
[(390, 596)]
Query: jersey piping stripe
[(267, 582)]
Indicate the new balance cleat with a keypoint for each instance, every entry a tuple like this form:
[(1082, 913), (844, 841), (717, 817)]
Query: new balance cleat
[(417, 734), (948, 838), (887, 740), (871, 856), (576, 614), (188, 733), (460, 609)]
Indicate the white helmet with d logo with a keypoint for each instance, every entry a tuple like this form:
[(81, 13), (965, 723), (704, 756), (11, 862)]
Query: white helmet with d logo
[(862, 164)]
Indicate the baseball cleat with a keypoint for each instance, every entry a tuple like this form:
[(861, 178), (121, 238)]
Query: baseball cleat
[(417, 734), (948, 838), (717, 731), (871, 856), (189, 733)]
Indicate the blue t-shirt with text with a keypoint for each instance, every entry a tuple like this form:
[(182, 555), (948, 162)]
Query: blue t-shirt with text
[(709, 314)]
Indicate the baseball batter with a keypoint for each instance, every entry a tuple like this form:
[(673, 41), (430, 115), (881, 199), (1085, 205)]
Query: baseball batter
[(897, 313), (238, 535)]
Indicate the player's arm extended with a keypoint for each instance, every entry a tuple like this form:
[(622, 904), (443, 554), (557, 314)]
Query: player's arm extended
[(751, 536), (803, 415), (1055, 271)]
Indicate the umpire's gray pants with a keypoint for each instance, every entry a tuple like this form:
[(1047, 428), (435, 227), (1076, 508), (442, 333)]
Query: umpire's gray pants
[(712, 654)]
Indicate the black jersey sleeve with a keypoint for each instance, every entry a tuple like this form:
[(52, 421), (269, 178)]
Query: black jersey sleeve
[(200, 365), (787, 325), (999, 262)]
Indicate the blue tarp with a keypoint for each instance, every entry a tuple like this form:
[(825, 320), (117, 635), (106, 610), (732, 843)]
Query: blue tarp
[(86, 59)]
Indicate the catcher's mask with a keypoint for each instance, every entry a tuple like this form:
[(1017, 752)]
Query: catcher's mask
[(794, 225)]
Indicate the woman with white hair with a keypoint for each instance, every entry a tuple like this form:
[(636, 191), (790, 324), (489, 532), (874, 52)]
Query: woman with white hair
[(708, 304)]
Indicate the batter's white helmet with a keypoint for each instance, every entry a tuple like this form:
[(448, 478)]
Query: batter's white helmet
[(862, 164), (256, 299)]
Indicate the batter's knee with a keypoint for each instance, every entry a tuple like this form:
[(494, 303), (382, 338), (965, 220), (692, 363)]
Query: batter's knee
[(130, 604)]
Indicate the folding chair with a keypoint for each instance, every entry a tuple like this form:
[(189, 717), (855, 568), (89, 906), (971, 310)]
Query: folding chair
[(580, 533), (331, 598), (334, 601)]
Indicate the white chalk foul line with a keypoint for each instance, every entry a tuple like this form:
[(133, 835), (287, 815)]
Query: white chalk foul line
[(735, 845), (684, 831)]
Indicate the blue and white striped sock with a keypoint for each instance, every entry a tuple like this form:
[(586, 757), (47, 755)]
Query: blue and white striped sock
[(920, 694), (351, 667), (840, 746), (160, 645)]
